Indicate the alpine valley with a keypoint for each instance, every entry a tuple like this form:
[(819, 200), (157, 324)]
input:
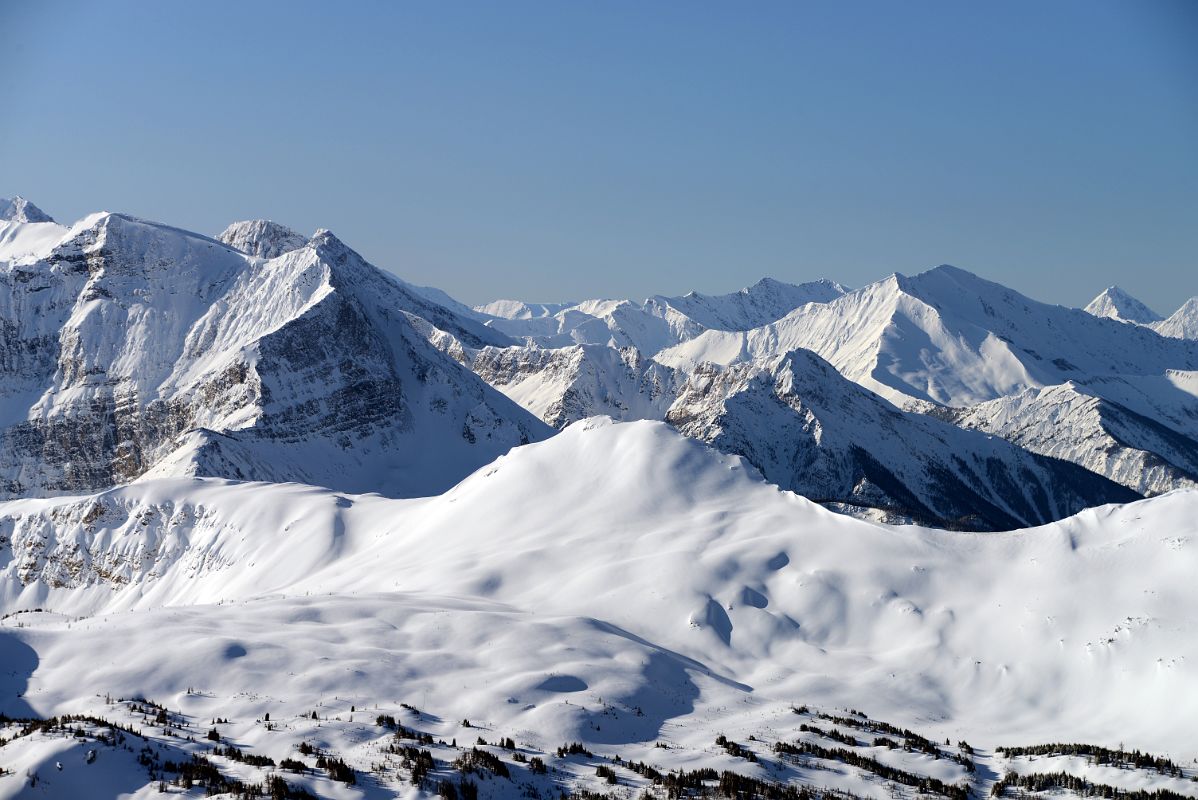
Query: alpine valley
[(276, 523)]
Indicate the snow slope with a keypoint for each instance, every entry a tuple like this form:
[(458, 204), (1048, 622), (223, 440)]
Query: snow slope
[(133, 347), (612, 568)]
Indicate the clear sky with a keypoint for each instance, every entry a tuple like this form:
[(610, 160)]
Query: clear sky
[(570, 149)]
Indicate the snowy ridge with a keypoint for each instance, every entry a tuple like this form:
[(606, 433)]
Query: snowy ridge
[(760, 304), (1182, 323), (1075, 422), (811, 431), (658, 322), (947, 337), (562, 386), (18, 209)]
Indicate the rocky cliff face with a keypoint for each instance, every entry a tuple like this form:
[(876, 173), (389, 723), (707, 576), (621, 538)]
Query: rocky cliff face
[(132, 347)]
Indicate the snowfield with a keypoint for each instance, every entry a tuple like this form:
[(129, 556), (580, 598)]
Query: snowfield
[(667, 594)]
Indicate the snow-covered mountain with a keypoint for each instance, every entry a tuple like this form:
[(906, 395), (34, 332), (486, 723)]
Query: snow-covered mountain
[(564, 385), (18, 209), (754, 306), (262, 238), (1182, 323), (943, 337), (656, 323), (619, 586), (1114, 303), (132, 348), (947, 337), (810, 430), (1148, 449)]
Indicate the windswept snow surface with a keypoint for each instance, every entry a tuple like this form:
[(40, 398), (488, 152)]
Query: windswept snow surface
[(642, 569)]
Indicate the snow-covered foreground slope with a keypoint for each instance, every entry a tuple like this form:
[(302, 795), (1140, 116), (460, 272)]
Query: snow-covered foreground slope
[(614, 565), (135, 349)]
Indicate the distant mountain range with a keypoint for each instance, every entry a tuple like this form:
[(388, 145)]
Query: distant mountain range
[(134, 350)]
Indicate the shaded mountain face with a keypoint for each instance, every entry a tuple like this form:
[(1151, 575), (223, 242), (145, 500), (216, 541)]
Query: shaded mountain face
[(810, 430), (1148, 448), (134, 349)]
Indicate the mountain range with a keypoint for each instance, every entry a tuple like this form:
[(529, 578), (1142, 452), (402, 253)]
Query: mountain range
[(275, 522), (135, 350)]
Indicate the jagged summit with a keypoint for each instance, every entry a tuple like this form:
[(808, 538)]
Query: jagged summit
[(764, 302), (134, 348), (18, 209), (1114, 303), (1182, 323), (262, 238)]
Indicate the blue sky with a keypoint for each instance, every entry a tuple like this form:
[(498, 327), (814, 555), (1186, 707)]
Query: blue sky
[(554, 151)]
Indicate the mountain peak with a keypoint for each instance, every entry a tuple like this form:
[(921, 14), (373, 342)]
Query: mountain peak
[(1182, 323), (18, 209), (1114, 303), (262, 238)]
